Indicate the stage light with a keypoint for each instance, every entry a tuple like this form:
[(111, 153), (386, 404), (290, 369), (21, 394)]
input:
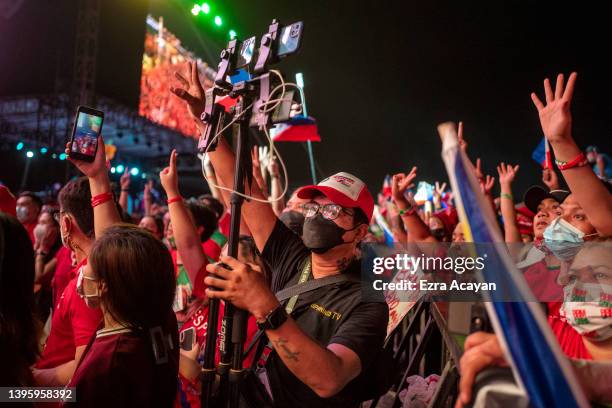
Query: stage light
[(54, 156), (62, 156), (134, 171), (30, 154), (44, 150), (299, 79), (19, 145), (113, 170), (195, 10), (218, 21), (143, 175), (205, 8), (120, 168), (232, 34)]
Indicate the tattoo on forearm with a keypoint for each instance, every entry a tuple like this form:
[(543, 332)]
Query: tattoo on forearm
[(282, 345)]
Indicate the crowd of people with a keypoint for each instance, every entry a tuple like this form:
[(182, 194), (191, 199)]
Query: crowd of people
[(116, 304)]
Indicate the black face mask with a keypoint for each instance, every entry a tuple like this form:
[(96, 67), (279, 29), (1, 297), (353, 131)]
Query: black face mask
[(294, 220), (320, 235)]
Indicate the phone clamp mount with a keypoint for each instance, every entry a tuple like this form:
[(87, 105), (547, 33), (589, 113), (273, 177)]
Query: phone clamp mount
[(250, 111)]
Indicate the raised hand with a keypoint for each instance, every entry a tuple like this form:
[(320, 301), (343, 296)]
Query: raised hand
[(487, 184), (191, 91), (550, 179), (92, 170), (440, 188), (402, 182), (148, 187), (125, 179), (506, 173), (169, 177), (479, 174), (555, 116)]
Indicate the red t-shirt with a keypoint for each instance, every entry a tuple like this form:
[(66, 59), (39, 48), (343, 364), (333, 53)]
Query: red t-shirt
[(569, 339), (120, 370), (30, 229), (543, 282), (72, 325), (64, 272)]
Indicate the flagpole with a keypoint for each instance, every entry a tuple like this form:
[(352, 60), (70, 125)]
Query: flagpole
[(299, 80)]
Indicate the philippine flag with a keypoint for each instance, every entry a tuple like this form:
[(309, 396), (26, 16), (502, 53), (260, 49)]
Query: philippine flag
[(298, 129), (539, 366)]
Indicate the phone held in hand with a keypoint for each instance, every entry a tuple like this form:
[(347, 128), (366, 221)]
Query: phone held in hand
[(87, 128), (187, 339)]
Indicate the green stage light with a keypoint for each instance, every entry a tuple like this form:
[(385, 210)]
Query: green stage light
[(205, 8), (19, 146), (62, 156), (44, 150), (195, 10), (232, 34), (218, 21)]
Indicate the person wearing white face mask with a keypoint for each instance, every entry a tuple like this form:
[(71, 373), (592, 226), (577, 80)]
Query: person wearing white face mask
[(584, 323), (47, 243), (565, 234), (73, 323), (27, 209), (583, 329), (132, 359)]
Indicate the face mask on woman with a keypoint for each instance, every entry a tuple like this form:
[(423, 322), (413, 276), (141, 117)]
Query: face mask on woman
[(588, 308), (40, 231), (92, 301), (563, 239)]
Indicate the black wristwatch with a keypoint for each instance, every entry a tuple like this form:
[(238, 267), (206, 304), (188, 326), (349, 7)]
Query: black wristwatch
[(274, 319)]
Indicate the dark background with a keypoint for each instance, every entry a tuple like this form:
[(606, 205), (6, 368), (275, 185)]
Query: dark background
[(380, 75)]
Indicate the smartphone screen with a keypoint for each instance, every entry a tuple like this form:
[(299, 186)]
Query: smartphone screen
[(246, 53), (290, 38), (85, 135)]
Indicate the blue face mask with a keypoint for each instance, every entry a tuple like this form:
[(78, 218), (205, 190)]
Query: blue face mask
[(563, 239)]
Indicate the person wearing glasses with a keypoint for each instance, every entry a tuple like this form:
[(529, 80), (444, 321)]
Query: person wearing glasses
[(323, 348), (326, 344), (73, 323)]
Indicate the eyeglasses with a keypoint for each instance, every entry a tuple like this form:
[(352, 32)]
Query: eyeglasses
[(328, 211)]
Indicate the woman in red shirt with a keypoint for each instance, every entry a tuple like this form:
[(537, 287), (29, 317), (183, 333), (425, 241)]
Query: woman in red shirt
[(133, 359)]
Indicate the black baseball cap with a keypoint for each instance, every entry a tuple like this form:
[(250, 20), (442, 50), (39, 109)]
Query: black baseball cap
[(535, 194)]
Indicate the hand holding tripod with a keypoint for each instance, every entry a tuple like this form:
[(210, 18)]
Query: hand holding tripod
[(251, 111)]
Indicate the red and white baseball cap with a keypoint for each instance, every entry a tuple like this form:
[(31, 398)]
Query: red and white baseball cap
[(343, 189)]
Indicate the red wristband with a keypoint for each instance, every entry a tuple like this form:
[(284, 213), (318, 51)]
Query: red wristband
[(579, 161), (101, 199), (174, 200)]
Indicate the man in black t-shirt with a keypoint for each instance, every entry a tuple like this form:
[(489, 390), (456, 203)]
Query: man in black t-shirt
[(332, 335)]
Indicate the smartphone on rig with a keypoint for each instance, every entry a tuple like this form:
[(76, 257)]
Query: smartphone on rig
[(87, 128), (290, 39)]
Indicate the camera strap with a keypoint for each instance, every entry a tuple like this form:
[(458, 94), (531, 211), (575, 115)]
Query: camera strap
[(292, 293)]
